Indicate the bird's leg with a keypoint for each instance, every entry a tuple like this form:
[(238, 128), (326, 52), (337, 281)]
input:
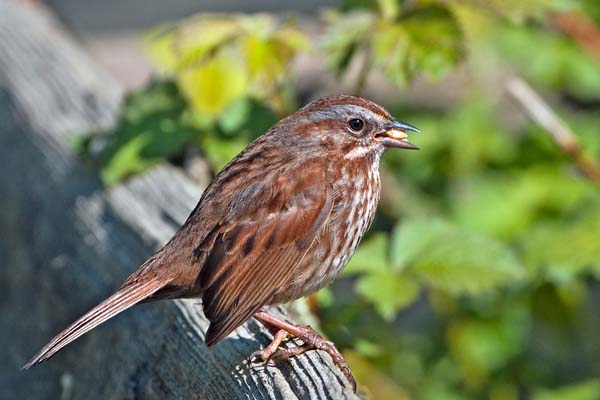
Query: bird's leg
[(312, 341)]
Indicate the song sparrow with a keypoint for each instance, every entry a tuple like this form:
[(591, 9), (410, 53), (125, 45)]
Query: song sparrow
[(277, 223)]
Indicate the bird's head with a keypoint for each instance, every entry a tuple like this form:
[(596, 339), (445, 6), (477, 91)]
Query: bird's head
[(352, 125)]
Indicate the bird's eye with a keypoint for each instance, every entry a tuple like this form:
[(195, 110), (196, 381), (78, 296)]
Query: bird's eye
[(356, 124)]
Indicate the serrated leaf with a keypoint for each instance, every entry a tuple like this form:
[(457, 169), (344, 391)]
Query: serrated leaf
[(345, 33), (203, 37), (474, 23), (410, 239), (177, 47), (471, 264), (268, 56), (219, 58), (390, 45), (505, 205), (387, 291), (455, 260), (429, 42)]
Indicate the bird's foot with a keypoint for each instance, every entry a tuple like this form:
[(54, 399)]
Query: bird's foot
[(311, 339), (268, 352)]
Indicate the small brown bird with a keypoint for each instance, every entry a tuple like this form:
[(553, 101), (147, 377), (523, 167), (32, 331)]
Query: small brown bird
[(279, 222)]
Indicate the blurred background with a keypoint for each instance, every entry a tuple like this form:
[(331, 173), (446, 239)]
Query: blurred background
[(480, 276)]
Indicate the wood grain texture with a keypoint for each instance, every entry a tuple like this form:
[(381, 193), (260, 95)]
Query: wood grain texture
[(67, 243)]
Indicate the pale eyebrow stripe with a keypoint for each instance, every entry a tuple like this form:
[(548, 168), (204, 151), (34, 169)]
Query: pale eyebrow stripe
[(334, 111)]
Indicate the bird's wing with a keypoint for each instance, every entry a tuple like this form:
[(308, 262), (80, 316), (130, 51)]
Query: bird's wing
[(251, 256)]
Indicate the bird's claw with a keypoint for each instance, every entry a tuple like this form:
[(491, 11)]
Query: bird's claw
[(338, 359), (311, 341), (258, 355), (265, 355), (285, 353)]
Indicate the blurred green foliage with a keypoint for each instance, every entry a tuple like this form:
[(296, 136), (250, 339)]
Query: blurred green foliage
[(480, 277)]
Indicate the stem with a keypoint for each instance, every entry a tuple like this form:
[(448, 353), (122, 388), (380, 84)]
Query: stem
[(581, 29), (540, 112)]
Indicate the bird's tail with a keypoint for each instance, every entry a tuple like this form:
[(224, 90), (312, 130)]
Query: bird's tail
[(130, 294)]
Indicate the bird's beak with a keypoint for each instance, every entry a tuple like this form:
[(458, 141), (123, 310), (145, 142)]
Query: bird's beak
[(394, 134)]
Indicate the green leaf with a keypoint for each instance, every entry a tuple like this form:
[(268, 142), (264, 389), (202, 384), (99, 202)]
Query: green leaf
[(482, 347), (220, 151), (476, 139), (389, 8), (428, 42), (387, 291), (565, 250), (410, 239), (150, 129), (506, 205), (147, 148), (379, 384), (453, 259), (219, 58), (586, 390), (346, 32), (559, 62), (195, 40), (325, 297), (367, 348), (442, 381), (158, 46), (371, 256), (506, 11), (126, 161), (247, 118), (268, 55), (235, 115), (391, 45), (214, 84)]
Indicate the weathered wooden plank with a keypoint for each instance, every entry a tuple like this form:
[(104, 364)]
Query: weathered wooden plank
[(67, 242)]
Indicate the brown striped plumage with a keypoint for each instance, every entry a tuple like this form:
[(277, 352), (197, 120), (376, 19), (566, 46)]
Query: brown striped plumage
[(277, 223)]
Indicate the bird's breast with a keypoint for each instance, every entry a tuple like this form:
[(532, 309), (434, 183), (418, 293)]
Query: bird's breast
[(356, 199), (359, 192)]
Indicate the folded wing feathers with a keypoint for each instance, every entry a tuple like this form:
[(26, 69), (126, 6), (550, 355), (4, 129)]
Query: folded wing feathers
[(242, 288)]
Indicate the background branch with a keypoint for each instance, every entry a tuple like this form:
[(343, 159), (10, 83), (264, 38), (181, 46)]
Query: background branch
[(541, 113), (582, 29)]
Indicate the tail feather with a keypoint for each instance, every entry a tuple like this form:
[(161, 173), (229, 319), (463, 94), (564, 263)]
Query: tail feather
[(124, 298)]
